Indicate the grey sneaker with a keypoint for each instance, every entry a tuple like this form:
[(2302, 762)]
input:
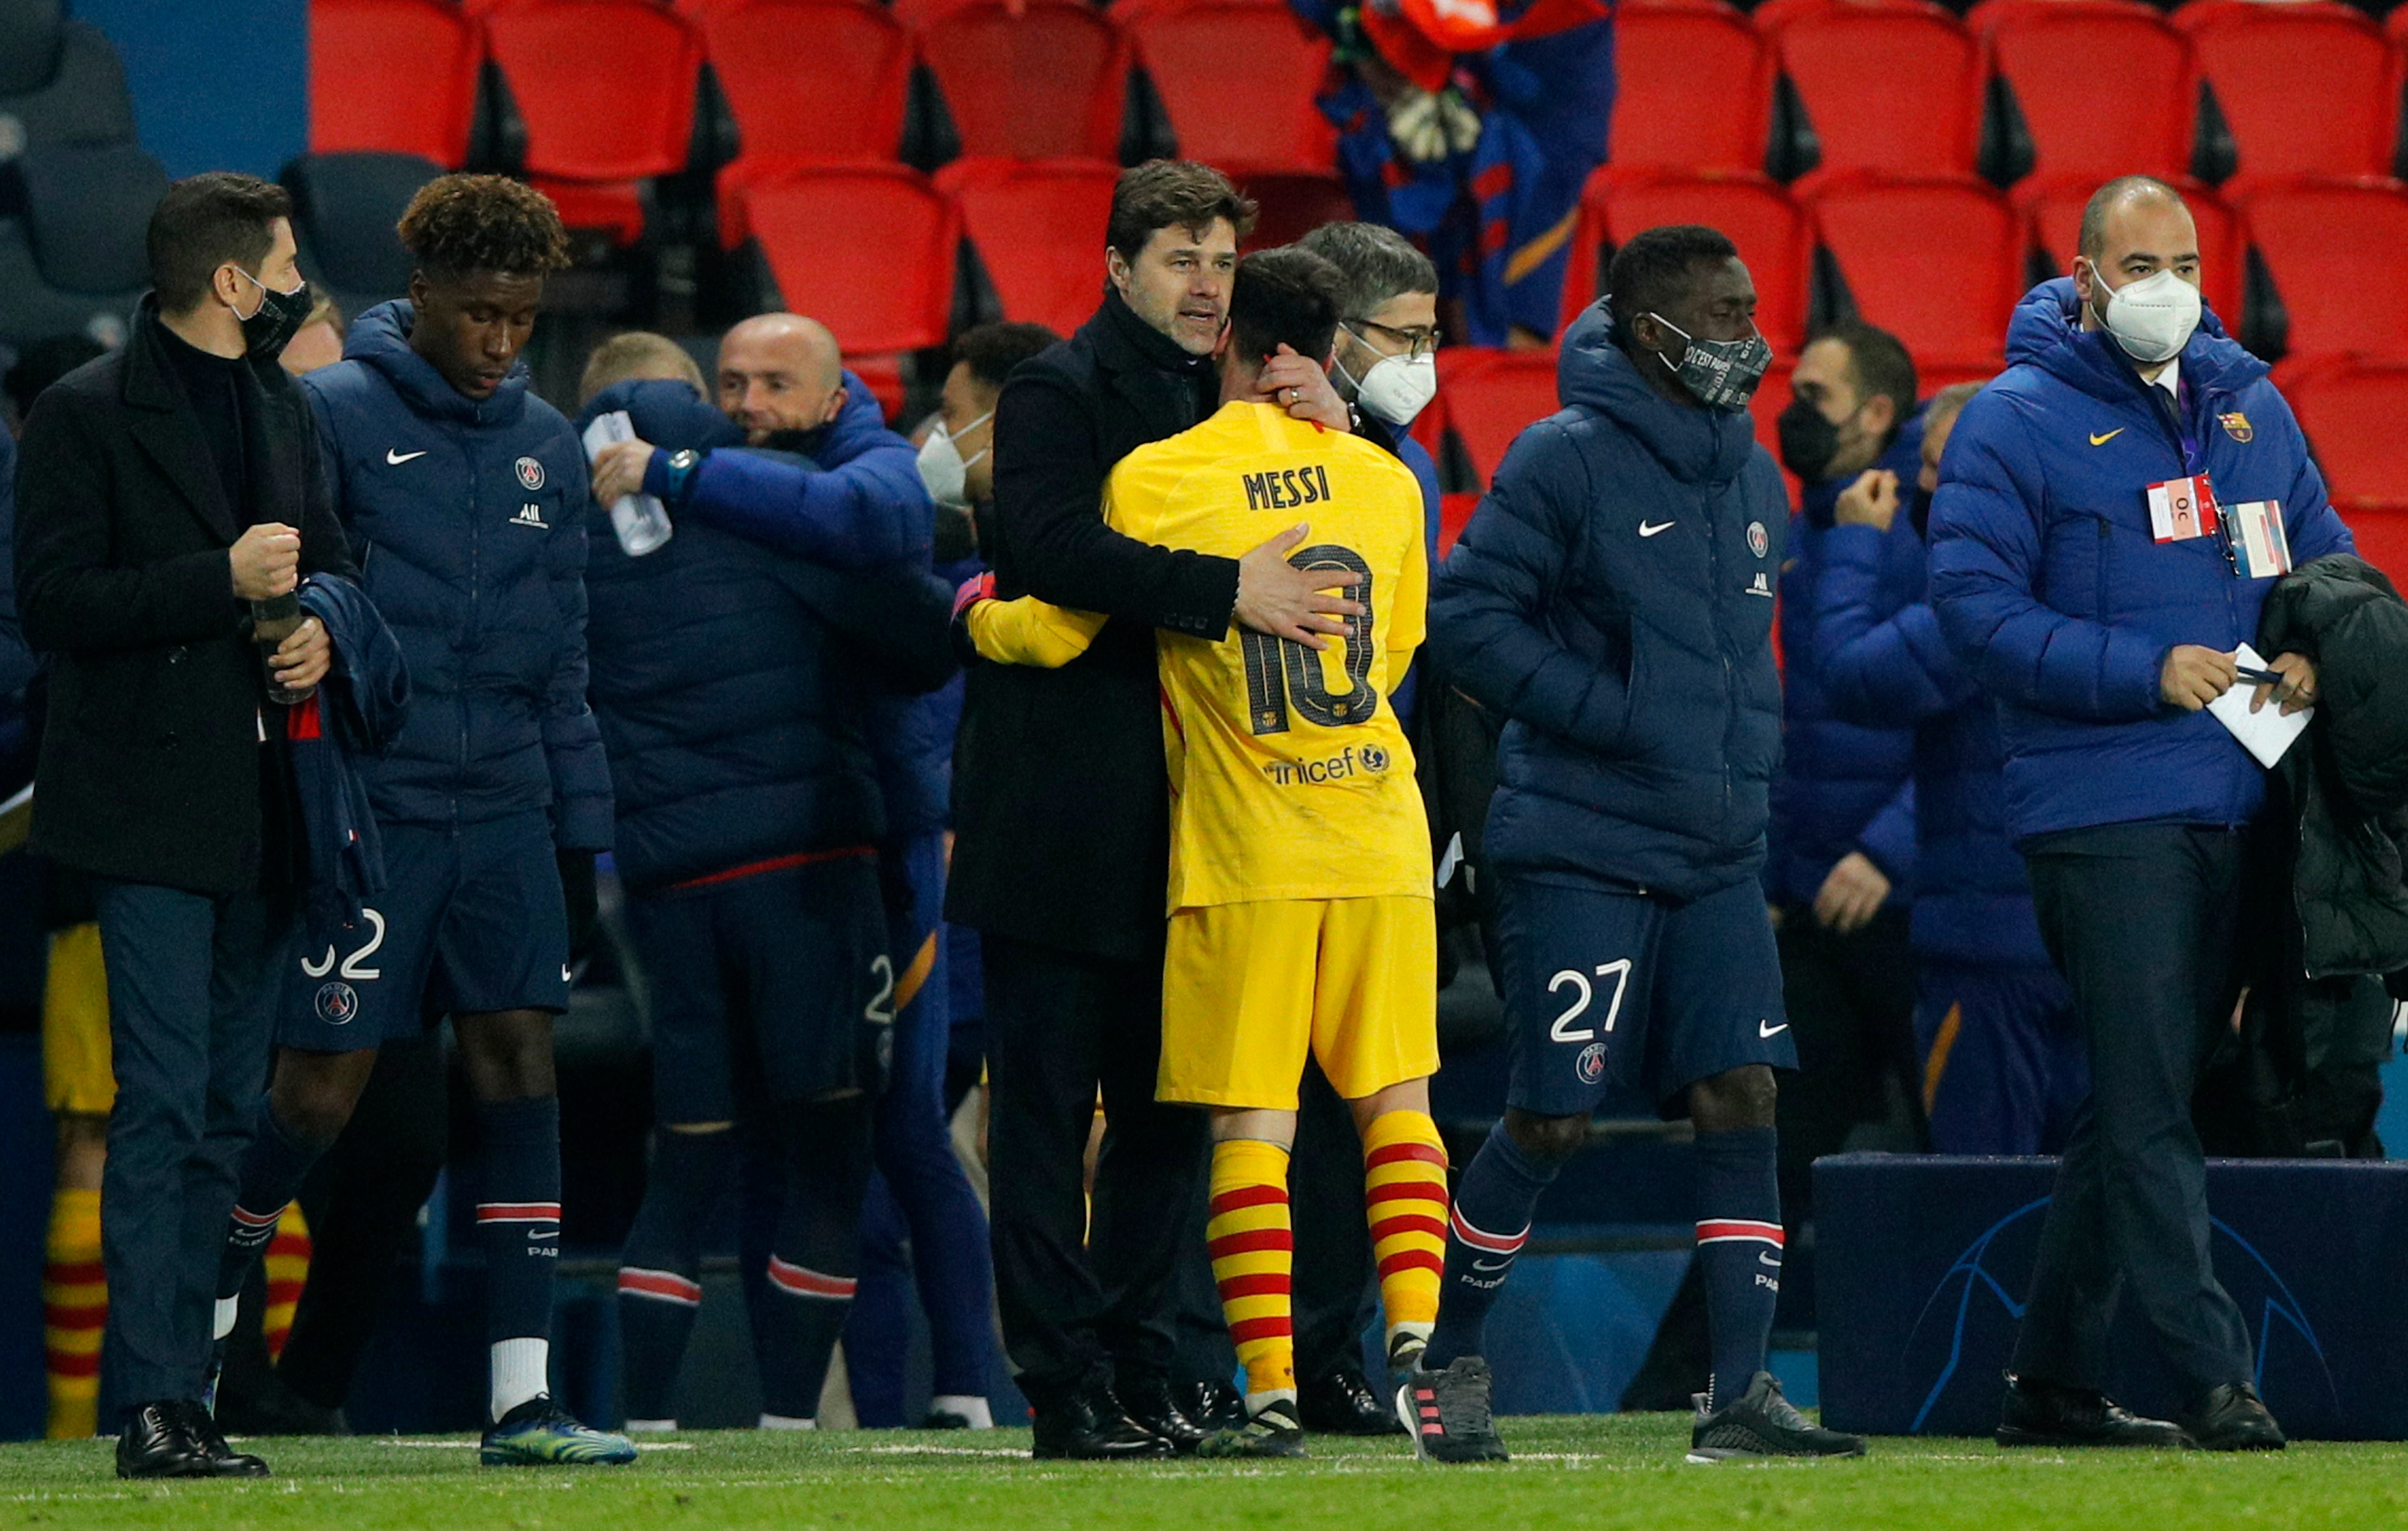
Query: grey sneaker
[(1762, 1422), (1447, 1412)]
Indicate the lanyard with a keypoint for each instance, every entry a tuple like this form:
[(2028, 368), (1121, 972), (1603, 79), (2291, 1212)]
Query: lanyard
[(2186, 405)]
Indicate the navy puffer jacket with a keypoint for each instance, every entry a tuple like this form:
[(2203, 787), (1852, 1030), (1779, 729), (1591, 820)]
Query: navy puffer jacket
[(1612, 596), (468, 522), (1973, 902), (2051, 587), (1846, 784)]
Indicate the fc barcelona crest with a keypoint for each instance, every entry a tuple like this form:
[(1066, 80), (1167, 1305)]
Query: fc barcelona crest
[(2236, 425)]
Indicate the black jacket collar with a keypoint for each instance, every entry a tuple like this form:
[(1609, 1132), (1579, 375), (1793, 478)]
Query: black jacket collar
[(164, 424), (1125, 343)]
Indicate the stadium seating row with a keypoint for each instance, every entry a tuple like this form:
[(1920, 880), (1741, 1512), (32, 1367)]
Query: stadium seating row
[(2028, 93)]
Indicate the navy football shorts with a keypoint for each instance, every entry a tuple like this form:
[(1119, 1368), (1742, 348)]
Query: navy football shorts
[(471, 920), (775, 984), (1651, 994)]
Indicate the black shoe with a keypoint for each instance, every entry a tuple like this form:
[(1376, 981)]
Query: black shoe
[(2233, 1418), (1762, 1422), (1274, 1432), (155, 1442), (1148, 1401), (1341, 1403), (268, 1407), (224, 1460), (1089, 1426), (945, 1419), (1216, 1406), (2037, 1413), (1447, 1412)]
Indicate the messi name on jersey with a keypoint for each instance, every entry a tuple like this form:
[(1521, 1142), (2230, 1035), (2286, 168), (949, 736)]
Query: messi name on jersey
[(1282, 488)]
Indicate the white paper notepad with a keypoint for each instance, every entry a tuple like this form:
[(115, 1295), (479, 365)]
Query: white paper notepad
[(2265, 733)]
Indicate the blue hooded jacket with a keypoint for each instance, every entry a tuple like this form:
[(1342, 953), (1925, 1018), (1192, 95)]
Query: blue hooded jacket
[(2052, 589), (1612, 596), (1973, 903), (468, 522), (1846, 784), (758, 703), (356, 713)]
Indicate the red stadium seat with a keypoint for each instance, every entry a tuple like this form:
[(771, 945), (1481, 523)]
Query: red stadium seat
[(361, 99), (887, 284), (1693, 87), (1939, 264), (1888, 85), (2056, 212), (606, 88), (2106, 88), (2352, 413), (2309, 87), (1236, 77), (2333, 246), (1039, 230), (1039, 79), (806, 80), (1770, 232), (1292, 205), (1492, 396)]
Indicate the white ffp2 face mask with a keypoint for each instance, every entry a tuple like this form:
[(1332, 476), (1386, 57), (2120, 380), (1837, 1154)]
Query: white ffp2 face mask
[(2153, 318), (1397, 388), (943, 470)]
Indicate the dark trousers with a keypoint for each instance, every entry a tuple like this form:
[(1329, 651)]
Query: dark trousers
[(189, 983), (1850, 1001), (1082, 1299), (2140, 919), (1333, 1296)]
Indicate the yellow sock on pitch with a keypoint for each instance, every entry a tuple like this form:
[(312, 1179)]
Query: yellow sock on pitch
[(1404, 1190), (75, 1309), (1253, 1253), (287, 1271)]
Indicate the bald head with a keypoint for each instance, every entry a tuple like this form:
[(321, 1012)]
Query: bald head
[(2111, 204), (779, 373)]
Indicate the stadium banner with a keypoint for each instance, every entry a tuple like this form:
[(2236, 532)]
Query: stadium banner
[(1923, 1262)]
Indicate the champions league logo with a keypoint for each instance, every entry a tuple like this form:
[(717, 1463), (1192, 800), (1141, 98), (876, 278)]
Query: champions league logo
[(1590, 1064), (338, 1002), (530, 473)]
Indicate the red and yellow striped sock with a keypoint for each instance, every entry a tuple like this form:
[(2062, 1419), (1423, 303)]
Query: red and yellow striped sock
[(1253, 1252), (1404, 1189), (75, 1309), (287, 1271)]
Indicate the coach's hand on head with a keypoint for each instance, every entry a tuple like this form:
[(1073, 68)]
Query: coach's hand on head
[(266, 562), (1302, 387), (1276, 597)]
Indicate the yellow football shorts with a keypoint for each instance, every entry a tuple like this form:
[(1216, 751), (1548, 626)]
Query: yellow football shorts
[(1247, 989), (76, 1073)]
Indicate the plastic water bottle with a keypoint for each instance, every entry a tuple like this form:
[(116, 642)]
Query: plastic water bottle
[(271, 623), (641, 521)]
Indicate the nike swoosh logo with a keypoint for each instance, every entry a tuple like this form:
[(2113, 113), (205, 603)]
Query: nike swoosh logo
[(1773, 1260), (566, 976), (394, 457), (2103, 440), (1764, 1029), (1490, 1265), (1647, 529)]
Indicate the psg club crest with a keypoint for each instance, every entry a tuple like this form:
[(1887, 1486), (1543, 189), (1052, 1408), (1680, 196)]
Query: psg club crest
[(1590, 1064), (2236, 426), (530, 473), (338, 1002), (1759, 542)]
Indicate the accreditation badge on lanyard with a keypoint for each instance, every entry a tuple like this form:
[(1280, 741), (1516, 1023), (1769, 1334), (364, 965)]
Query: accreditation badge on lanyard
[(2260, 544), (2182, 509)]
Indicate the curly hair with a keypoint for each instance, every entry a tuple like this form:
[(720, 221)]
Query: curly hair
[(461, 223)]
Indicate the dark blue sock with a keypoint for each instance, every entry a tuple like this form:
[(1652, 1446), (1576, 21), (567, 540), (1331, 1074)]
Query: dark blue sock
[(813, 1262), (274, 1164), (518, 1213), (1739, 1251), (660, 1287), (1491, 1221)]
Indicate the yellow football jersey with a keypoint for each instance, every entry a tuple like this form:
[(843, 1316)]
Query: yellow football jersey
[(1290, 776)]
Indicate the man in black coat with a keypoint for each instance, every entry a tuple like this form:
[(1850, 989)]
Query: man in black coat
[(165, 489), (1062, 817)]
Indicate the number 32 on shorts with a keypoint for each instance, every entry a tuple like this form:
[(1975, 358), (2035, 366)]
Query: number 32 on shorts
[(354, 966)]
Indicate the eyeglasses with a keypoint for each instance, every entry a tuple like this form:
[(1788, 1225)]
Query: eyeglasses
[(1418, 343)]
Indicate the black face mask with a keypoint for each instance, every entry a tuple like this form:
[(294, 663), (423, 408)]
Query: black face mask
[(270, 327), (1808, 440)]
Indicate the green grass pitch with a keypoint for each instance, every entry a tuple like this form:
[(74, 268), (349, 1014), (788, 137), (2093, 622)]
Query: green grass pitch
[(1589, 1472)]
